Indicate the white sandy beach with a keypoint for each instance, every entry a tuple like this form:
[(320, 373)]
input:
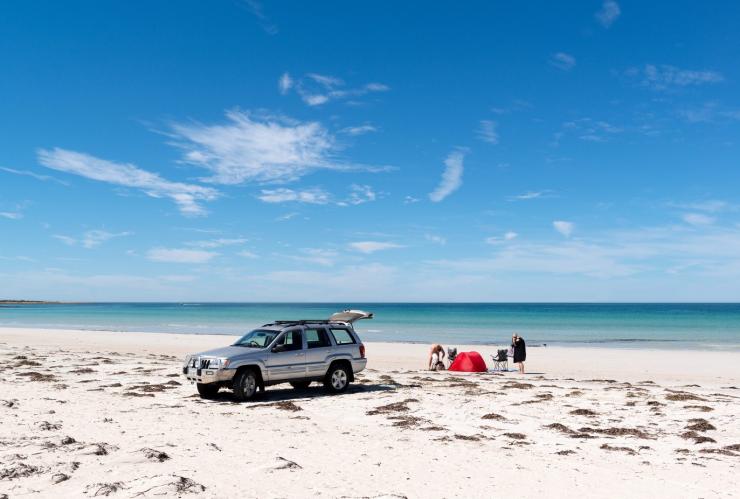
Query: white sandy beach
[(100, 413)]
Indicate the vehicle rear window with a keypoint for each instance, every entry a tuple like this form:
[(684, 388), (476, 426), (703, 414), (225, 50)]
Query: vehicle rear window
[(342, 337), (317, 338)]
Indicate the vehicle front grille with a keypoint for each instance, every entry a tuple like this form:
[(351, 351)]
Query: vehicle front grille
[(205, 363)]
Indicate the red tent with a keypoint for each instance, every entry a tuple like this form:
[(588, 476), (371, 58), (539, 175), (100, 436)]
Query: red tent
[(469, 362)]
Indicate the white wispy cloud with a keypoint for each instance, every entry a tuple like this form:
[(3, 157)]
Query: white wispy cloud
[(251, 148), (179, 255), (256, 8), (496, 240), (665, 76), (698, 219), (323, 257), (451, 178), (710, 205), (91, 238), (608, 13), (588, 129), (287, 216), (487, 132), (248, 254), (284, 195), (359, 130), (317, 89), (216, 243), (37, 176), (359, 194), (186, 196), (410, 200), (435, 239), (529, 195), (285, 83), (562, 61), (565, 228), (369, 247), (11, 215)]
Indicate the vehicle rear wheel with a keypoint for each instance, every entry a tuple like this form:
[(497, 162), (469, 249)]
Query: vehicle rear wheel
[(207, 390), (337, 379), (245, 385), (300, 385)]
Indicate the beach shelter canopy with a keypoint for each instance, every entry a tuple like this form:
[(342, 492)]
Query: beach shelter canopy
[(470, 362)]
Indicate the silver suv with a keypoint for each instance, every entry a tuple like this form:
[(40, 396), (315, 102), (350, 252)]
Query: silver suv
[(296, 352)]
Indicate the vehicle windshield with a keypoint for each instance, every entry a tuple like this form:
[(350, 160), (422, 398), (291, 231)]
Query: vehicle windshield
[(259, 338)]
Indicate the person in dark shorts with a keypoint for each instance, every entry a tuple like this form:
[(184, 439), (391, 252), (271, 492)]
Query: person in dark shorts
[(520, 351)]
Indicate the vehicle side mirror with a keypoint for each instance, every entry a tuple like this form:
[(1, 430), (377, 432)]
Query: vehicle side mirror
[(278, 348)]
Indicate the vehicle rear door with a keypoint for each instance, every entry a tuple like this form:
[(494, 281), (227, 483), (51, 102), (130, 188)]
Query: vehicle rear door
[(287, 357), (318, 349)]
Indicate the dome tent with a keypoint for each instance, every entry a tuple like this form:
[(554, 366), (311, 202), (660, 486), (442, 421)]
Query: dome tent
[(470, 362)]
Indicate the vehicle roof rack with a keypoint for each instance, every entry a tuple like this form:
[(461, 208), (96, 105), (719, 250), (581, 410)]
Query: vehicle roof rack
[(301, 322)]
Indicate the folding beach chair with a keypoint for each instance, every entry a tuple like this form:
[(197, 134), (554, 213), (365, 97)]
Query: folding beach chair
[(500, 360)]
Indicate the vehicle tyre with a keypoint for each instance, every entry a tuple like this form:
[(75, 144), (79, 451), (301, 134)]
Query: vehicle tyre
[(300, 385), (246, 384), (207, 390), (337, 379)]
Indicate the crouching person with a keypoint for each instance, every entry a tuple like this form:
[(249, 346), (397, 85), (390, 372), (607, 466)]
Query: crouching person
[(436, 358)]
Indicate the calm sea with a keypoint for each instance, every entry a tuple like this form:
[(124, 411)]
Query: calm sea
[(702, 326)]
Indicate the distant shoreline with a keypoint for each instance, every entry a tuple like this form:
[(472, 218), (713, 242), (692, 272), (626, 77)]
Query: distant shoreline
[(31, 302)]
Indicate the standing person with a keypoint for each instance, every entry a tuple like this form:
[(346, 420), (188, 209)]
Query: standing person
[(436, 355), (520, 351)]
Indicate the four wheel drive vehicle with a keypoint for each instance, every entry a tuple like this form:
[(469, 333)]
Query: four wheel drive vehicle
[(296, 352)]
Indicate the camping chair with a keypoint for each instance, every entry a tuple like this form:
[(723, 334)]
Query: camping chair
[(500, 360), (451, 354)]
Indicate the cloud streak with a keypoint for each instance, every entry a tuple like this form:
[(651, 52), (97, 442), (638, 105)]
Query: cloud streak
[(187, 196), (608, 13), (562, 61), (250, 148), (451, 177)]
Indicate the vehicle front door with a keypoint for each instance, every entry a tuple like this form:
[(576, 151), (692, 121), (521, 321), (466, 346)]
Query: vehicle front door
[(287, 357)]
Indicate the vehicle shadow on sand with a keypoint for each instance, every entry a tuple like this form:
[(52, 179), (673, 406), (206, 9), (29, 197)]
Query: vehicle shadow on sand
[(316, 390)]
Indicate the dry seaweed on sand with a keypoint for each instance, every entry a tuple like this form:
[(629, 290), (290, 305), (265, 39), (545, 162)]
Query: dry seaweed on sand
[(565, 452), (283, 405), (724, 452), (702, 408), (155, 455), (494, 416), (699, 424), (37, 376), (681, 396), (20, 470), (583, 412), (618, 432), (104, 489), (516, 436), (560, 427), (520, 386), (629, 451), (391, 408)]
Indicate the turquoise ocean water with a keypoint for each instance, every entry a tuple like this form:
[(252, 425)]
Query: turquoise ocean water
[(701, 326)]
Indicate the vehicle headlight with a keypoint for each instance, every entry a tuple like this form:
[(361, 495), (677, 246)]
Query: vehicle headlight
[(223, 363)]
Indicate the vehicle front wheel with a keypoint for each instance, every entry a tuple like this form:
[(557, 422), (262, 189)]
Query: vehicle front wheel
[(245, 385), (207, 390), (337, 379), (300, 385)]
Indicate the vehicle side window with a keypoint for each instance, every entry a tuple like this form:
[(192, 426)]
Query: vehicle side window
[(291, 340), (317, 338), (342, 337)]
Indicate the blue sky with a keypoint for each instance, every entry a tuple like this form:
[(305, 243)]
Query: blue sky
[(382, 151)]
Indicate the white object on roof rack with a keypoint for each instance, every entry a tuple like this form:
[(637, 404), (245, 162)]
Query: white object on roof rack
[(350, 316)]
